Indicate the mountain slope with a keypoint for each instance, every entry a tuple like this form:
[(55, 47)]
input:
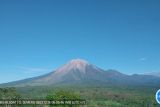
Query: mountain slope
[(157, 74), (79, 71)]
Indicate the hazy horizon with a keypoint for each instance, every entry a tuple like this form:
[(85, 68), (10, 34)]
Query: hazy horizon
[(37, 37)]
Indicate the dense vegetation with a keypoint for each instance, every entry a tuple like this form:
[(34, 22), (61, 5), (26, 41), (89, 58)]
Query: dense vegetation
[(9, 93), (95, 96)]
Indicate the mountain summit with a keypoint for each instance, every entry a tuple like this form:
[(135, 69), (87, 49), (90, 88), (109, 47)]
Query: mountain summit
[(78, 71), (73, 65)]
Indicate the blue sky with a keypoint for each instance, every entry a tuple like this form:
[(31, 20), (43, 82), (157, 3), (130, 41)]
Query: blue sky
[(38, 36)]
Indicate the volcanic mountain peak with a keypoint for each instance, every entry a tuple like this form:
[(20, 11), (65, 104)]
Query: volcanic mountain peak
[(78, 62), (75, 64)]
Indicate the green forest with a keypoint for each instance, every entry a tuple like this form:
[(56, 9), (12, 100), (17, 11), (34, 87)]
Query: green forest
[(94, 96)]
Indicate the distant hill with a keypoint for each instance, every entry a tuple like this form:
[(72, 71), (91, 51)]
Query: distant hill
[(81, 72), (157, 74)]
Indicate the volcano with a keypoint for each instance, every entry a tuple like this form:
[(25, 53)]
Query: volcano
[(78, 71)]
